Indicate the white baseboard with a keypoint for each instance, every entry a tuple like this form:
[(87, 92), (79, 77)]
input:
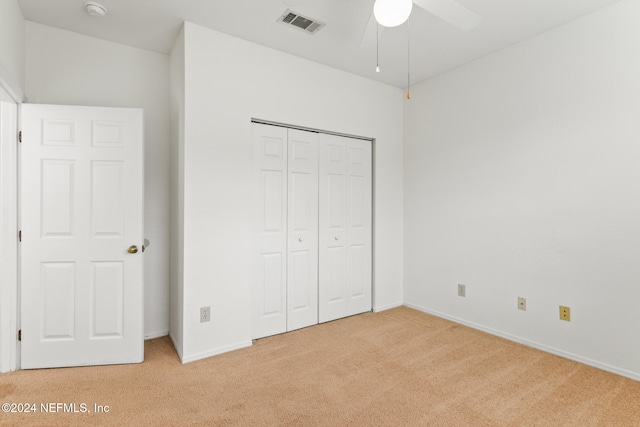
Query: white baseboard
[(387, 307), (215, 352), (177, 346), (533, 344), (153, 335)]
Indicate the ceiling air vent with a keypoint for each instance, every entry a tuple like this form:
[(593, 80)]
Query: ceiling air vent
[(308, 25)]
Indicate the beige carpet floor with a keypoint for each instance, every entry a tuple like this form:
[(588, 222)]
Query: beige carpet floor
[(396, 368)]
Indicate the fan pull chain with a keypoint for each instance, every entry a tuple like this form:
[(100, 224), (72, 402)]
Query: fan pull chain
[(377, 48), (408, 60)]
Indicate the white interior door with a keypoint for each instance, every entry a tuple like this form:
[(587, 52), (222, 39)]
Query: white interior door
[(302, 251), (82, 223), (345, 227), (269, 293)]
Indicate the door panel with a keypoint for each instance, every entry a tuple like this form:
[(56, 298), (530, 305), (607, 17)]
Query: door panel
[(301, 186), (272, 268), (356, 266), (359, 227), (333, 270), (336, 199), (107, 197), (58, 133), (269, 296), (107, 291), (58, 302), (273, 200), (300, 292), (107, 134), (345, 227), (82, 208), (356, 202), (333, 222), (302, 261), (58, 196)]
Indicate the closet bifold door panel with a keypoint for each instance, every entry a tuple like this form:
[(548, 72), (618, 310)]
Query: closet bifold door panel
[(302, 252), (345, 227), (269, 293), (285, 284)]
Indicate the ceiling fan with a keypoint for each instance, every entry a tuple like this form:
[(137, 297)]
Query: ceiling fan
[(391, 13)]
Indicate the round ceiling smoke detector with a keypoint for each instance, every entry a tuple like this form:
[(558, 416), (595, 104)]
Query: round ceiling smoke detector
[(95, 9)]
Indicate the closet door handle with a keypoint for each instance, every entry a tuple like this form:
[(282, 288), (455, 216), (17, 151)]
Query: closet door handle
[(300, 239), (337, 238)]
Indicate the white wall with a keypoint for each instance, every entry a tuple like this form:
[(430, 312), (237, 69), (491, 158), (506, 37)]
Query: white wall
[(12, 44), (177, 192), (522, 178), (68, 68), (227, 82)]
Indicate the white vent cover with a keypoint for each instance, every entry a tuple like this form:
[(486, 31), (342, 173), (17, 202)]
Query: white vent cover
[(308, 25)]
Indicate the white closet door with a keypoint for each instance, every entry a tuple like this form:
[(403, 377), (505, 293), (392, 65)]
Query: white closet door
[(302, 259), (359, 226), (333, 228), (344, 227), (269, 294)]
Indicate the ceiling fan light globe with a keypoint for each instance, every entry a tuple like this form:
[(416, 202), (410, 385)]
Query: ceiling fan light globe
[(391, 13)]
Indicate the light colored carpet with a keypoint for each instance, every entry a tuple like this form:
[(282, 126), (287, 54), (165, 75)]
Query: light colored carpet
[(398, 367)]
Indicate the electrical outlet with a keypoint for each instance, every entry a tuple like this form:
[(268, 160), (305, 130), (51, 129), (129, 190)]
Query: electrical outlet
[(462, 290), (522, 304), (205, 314), (565, 313)]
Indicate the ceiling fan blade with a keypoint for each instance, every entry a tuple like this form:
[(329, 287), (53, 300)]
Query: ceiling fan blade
[(451, 12), (369, 35)]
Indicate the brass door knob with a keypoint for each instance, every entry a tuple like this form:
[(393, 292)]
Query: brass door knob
[(133, 249)]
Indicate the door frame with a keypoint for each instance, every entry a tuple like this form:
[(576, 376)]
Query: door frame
[(373, 189), (9, 273)]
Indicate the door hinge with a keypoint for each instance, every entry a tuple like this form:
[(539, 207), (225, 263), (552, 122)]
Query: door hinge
[(20, 335), (20, 235), (20, 136)]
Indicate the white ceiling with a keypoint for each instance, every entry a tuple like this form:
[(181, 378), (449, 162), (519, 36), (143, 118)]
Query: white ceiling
[(435, 45)]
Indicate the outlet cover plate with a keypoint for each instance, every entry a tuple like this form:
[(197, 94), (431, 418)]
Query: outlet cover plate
[(522, 304), (205, 314), (462, 290), (565, 313)]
